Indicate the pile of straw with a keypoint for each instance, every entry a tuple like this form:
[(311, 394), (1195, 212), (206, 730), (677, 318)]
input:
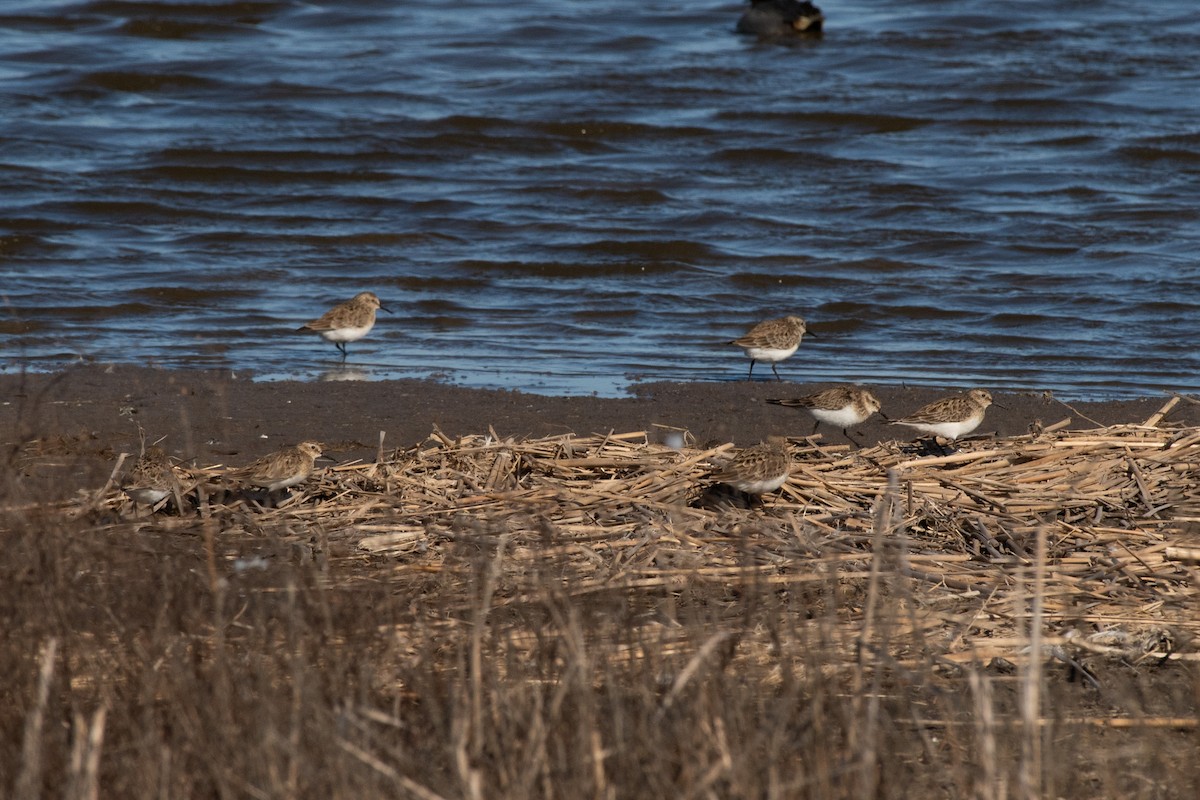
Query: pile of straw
[(1090, 536)]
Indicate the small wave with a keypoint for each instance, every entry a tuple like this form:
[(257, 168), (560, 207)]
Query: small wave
[(187, 295), (226, 175), (245, 11), (923, 312), (620, 196), (578, 269), (160, 28), (667, 254), (24, 244), (441, 283), (798, 158), (788, 276), (1148, 154), (144, 82), (99, 313), (22, 326), (831, 121)]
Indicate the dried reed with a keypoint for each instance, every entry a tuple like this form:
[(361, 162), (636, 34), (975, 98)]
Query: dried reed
[(589, 616), (1119, 508)]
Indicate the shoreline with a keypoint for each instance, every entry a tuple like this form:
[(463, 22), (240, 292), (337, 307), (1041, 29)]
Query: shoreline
[(612, 386), (86, 416)]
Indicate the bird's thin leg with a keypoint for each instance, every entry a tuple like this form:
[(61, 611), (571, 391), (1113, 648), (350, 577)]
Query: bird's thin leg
[(776, 371), (948, 447), (816, 425), (341, 346), (750, 377)]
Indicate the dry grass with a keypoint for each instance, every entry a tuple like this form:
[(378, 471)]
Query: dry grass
[(582, 617)]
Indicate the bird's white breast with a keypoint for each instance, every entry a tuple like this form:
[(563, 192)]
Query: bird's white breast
[(770, 353), (347, 334), (841, 417)]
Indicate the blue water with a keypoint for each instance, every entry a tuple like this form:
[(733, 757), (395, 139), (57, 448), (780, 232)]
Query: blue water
[(569, 197)]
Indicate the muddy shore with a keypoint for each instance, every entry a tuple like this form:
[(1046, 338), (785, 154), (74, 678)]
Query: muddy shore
[(83, 418)]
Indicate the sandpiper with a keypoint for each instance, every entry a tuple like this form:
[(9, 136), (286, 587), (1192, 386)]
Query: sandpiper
[(842, 406), (348, 321), (151, 479), (950, 417), (772, 341), (280, 470), (757, 470)]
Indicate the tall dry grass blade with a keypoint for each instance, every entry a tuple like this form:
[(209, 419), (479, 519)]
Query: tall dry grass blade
[(719, 767), (87, 740), (298, 677), (470, 776), (864, 722), (405, 783), (1030, 776), (599, 756), (988, 783), (470, 748), (689, 672), (30, 776)]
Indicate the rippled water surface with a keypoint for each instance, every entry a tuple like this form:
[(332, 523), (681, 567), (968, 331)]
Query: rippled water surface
[(566, 197)]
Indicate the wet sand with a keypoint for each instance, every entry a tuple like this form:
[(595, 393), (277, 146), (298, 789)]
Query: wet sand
[(81, 419)]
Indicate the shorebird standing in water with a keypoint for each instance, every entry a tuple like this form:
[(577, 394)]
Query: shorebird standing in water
[(348, 321), (772, 341)]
